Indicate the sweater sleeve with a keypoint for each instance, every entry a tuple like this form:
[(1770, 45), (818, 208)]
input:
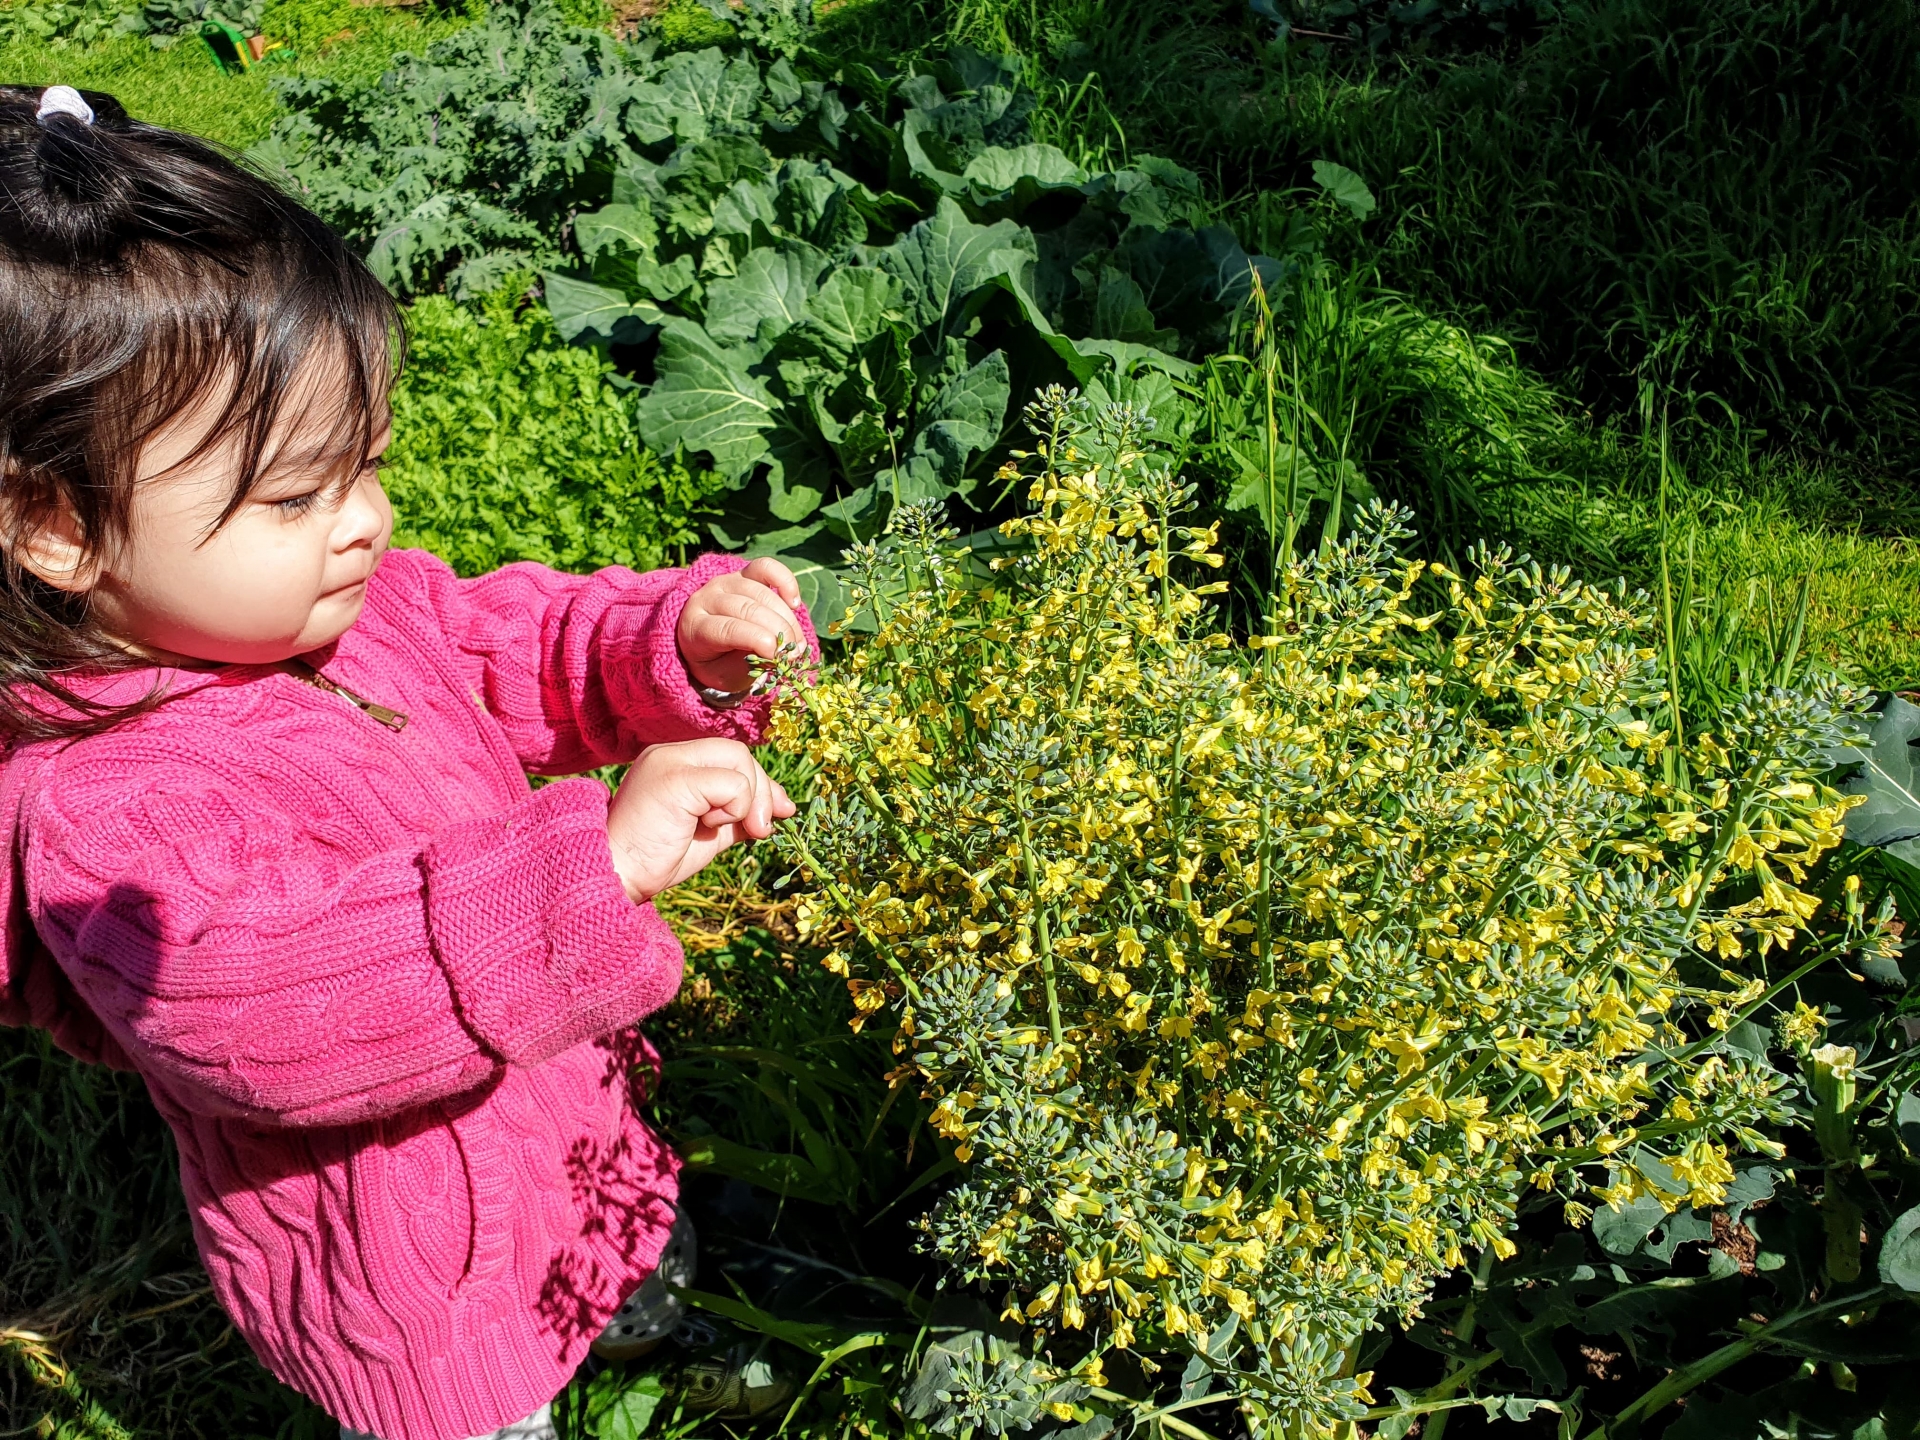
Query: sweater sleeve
[(245, 964), (585, 670)]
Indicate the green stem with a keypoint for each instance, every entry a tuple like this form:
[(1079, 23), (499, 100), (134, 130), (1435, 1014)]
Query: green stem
[(846, 906), (1440, 1396), (1042, 932), (1463, 1332), (1690, 1377)]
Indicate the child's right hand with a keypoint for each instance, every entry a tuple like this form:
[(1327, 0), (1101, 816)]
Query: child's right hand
[(680, 805)]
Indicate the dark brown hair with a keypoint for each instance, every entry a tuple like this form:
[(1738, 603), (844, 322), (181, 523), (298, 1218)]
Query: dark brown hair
[(142, 270)]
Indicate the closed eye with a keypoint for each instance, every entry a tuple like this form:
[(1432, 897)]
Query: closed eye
[(296, 505)]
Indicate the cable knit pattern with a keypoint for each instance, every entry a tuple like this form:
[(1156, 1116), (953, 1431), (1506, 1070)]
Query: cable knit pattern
[(381, 989)]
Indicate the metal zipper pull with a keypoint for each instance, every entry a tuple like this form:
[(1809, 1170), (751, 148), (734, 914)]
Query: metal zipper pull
[(390, 718)]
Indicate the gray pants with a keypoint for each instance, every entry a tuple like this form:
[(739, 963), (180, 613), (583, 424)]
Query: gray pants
[(537, 1426)]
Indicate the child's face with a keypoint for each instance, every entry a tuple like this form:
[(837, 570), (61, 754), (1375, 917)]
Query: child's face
[(285, 575)]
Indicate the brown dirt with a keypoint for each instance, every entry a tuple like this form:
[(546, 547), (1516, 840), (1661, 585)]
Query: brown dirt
[(1735, 1241)]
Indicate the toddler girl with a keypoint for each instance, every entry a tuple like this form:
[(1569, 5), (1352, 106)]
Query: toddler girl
[(273, 844)]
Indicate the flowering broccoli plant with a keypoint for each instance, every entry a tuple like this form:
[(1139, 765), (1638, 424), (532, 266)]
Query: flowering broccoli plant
[(1255, 986)]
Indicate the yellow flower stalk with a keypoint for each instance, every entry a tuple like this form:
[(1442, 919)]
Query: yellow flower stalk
[(1256, 983)]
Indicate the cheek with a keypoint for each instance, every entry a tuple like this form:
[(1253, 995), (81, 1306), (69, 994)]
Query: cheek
[(255, 580)]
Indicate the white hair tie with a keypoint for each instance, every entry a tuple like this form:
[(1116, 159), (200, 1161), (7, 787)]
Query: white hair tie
[(63, 100)]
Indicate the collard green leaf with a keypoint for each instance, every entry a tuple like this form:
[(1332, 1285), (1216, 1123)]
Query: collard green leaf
[(997, 168), (766, 297), (851, 307), (1150, 391), (1003, 182), (965, 418), (747, 207), (701, 93), (928, 154), (1900, 1252), (1175, 273), (584, 310), (1906, 1117), (705, 400), (801, 471), (818, 204), (706, 169), (616, 228), (946, 258), (1890, 779), (1120, 312)]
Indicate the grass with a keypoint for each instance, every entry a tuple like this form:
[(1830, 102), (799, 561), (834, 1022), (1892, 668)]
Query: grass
[(180, 88)]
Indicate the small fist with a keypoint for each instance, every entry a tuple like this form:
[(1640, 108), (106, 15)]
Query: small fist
[(747, 613), (680, 805)]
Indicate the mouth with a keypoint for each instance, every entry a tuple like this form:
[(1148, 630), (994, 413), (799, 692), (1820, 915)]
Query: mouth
[(346, 592)]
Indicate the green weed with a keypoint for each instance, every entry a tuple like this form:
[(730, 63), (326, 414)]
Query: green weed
[(509, 445)]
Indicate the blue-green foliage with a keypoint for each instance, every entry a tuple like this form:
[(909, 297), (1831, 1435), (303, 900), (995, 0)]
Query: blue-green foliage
[(461, 165), (509, 445)]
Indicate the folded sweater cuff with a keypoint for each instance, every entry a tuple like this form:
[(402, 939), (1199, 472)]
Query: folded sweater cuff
[(538, 939), (663, 672)]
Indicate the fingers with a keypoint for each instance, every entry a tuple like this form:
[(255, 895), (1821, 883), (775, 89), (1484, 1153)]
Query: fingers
[(745, 624), (771, 572), (721, 784)]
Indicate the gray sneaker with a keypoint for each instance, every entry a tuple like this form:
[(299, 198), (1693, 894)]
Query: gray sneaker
[(653, 1312)]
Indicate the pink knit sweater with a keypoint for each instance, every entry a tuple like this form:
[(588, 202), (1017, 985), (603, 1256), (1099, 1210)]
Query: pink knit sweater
[(380, 988)]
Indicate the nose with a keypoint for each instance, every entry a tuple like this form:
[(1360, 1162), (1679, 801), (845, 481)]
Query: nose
[(363, 515)]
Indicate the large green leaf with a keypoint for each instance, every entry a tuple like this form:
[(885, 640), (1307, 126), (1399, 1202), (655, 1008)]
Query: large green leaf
[(946, 258), (1176, 274), (746, 208), (801, 471), (767, 296), (816, 204), (704, 399), (697, 95), (1343, 187), (964, 418), (1120, 312), (851, 307), (1890, 779), (997, 169), (616, 227), (584, 310), (1900, 1252)]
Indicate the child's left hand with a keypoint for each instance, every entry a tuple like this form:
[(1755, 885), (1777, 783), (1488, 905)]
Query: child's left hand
[(750, 612)]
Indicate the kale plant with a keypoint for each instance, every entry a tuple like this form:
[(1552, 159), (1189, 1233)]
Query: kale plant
[(464, 164)]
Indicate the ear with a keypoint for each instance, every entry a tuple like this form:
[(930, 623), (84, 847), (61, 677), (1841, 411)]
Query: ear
[(54, 551)]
